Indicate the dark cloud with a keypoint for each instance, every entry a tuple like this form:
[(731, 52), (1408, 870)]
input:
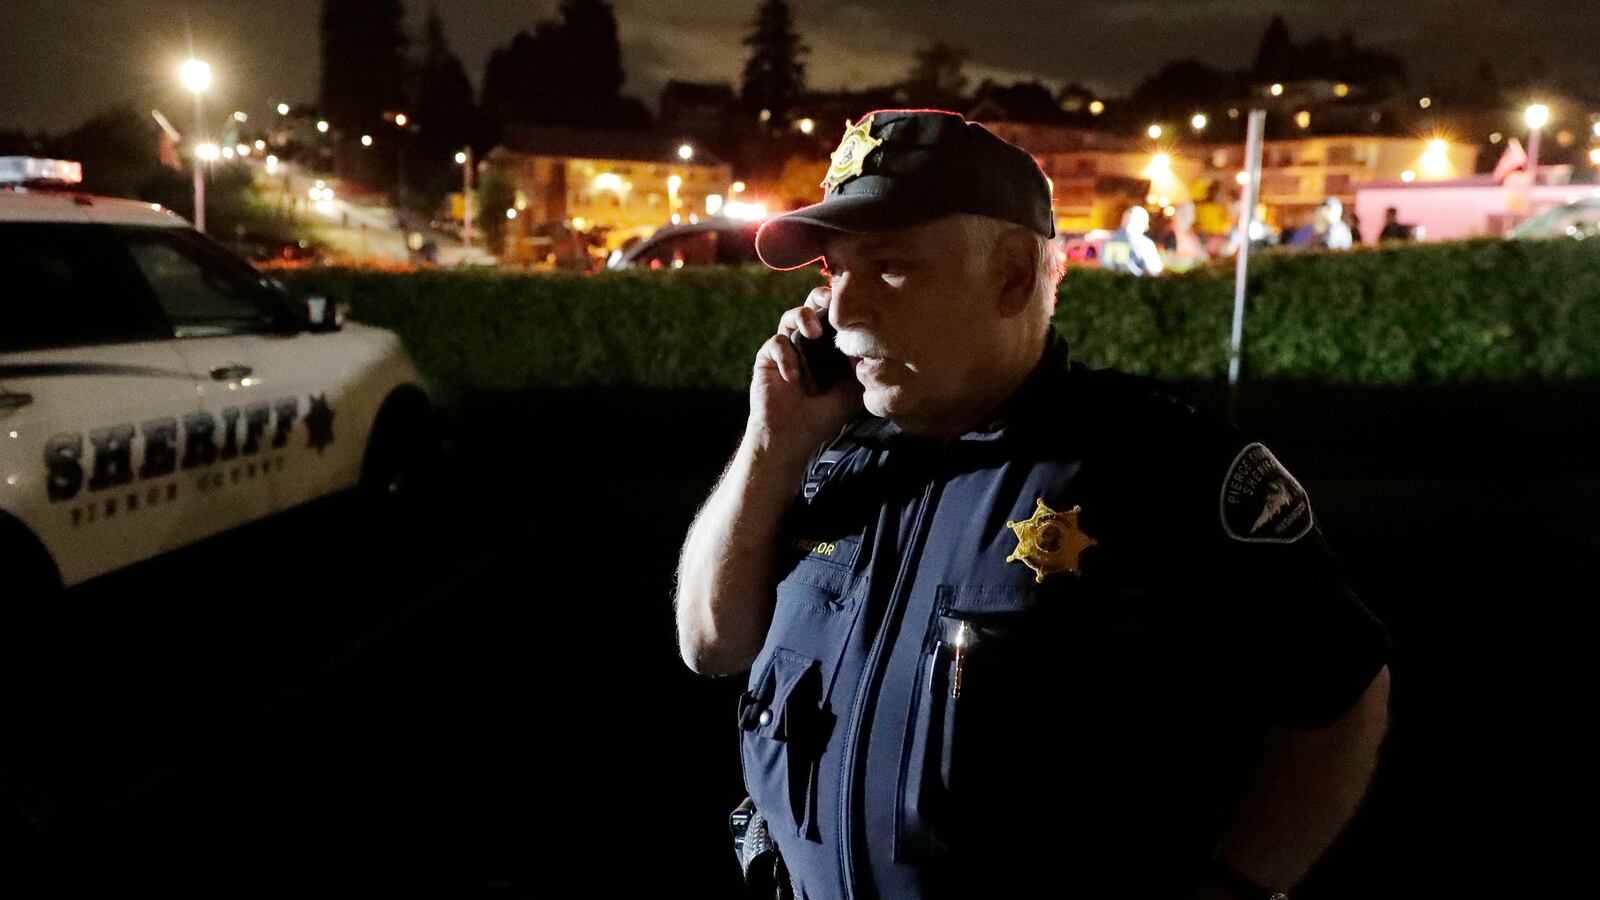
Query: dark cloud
[(65, 59)]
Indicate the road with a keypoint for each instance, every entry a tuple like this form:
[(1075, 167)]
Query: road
[(488, 703), (363, 229)]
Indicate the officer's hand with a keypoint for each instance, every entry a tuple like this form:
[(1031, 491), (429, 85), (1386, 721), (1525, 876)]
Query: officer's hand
[(782, 414)]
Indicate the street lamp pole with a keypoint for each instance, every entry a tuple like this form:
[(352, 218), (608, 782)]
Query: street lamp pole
[(196, 76), (199, 172), (466, 198), (1537, 116)]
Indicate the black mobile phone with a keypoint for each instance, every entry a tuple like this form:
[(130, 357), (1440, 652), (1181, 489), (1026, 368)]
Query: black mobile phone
[(822, 365)]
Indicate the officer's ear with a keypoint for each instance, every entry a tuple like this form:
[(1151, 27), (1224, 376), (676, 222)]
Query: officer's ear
[(1016, 255)]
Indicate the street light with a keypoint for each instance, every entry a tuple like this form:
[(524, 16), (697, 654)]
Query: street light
[(685, 152), (208, 152), (322, 126), (1096, 107), (1199, 121), (400, 119), (196, 77), (1154, 131), (283, 109), (366, 140), (1537, 116)]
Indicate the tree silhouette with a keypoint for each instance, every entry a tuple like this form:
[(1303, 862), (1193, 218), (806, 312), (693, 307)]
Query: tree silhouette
[(774, 75), (936, 78), (363, 61)]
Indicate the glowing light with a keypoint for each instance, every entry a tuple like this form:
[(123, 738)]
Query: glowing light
[(676, 218), (1341, 90), (1597, 129), (1242, 178), (685, 152), (579, 223), (1408, 176), (195, 75), (674, 182), (272, 165), (1154, 131), (461, 157), (736, 188), (1096, 107), (807, 126), (261, 145), (1233, 112), (208, 152), (765, 115), (322, 126), (242, 149), (608, 181), (1436, 159), (366, 140), (511, 213), (734, 209), (713, 204), (1425, 102), (283, 109), (401, 119), (1303, 118), (1594, 156), (1496, 138), (227, 153), (1277, 90), (1537, 115), (1198, 123), (1169, 211)]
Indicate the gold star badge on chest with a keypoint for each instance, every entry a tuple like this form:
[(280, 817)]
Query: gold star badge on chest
[(851, 153), (1050, 542)]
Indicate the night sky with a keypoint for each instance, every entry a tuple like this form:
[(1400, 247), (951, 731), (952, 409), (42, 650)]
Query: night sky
[(63, 60)]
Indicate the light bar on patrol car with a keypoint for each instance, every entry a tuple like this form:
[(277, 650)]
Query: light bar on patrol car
[(26, 169)]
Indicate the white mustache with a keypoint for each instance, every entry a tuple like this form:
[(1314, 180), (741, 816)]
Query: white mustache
[(859, 344)]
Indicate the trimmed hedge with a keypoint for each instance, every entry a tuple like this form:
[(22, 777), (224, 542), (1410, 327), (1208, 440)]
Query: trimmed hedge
[(1465, 312)]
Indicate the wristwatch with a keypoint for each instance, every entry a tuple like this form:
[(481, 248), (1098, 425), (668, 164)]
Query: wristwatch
[(1218, 872)]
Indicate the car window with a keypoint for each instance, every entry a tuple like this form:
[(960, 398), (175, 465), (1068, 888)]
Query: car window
[(737, 248), (71, 285), (203, 290), (698, 248)]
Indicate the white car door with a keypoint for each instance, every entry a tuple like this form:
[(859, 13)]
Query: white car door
[(94, 403), (218, 307)]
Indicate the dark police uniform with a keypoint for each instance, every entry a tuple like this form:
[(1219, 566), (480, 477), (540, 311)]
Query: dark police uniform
[(1104, 723), (1038, 660)]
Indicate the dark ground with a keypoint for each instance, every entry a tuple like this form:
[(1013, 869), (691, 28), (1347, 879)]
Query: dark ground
[(490, 705)]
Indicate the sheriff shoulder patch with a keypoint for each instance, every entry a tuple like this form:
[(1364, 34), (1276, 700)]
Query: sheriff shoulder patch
[(1261, 502)]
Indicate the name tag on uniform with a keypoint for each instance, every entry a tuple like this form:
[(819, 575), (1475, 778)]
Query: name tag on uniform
[(841, 552)]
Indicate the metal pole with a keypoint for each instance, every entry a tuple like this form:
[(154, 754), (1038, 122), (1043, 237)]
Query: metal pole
[(1533, 165), (466, 202), (199, 173), (1247, 214)]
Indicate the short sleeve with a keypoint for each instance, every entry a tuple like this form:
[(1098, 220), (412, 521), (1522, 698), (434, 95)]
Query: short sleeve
[(1300, 642)]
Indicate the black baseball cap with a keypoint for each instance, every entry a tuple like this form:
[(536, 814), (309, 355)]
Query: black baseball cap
[(901, 167)]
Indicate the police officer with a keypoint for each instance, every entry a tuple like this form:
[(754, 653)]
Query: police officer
[(1129, 248), (1019, 628)]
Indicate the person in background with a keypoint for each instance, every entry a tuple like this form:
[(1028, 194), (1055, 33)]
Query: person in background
[(1325, 231), (1184, 246), (1393, 230), (1129, 248)]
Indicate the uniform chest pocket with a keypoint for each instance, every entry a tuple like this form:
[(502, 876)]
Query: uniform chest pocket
[(1007, 675), (784, 729)]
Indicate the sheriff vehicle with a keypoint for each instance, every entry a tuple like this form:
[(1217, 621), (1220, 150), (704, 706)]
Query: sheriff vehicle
[(156, 390)]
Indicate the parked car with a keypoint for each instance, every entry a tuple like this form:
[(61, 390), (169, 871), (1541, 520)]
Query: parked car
[(714, 241)]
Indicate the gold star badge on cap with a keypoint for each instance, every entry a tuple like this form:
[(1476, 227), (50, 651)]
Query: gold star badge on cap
[(1050, 542), (851, 153)]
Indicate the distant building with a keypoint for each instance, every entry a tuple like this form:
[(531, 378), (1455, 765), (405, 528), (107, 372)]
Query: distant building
[(1297, 175), (612, 185)]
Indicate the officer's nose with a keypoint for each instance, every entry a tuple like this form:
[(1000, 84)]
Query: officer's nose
[(847, 303)]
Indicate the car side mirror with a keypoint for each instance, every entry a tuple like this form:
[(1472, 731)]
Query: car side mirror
[(323, 314)]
